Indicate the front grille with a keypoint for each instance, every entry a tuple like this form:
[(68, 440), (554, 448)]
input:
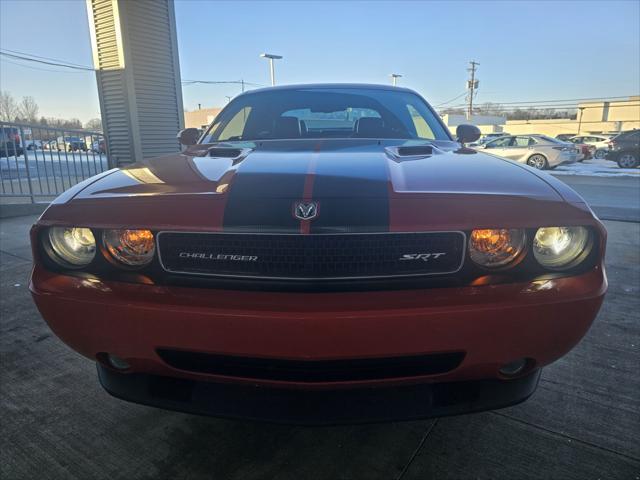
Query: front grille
[(312, 371), (312, 257)]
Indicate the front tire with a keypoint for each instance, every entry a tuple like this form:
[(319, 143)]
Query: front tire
[(538, 161), (628, 160), (600, 154)]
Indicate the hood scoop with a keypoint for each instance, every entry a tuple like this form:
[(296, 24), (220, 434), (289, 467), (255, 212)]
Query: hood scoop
[(235, 154), (411, 152)]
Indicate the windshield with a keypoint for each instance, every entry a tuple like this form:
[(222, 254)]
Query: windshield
[(327, 113)]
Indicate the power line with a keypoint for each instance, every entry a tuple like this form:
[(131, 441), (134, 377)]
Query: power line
[(23, 65), (44, 58), (45, 62), (449, 101), (14, 54), (217, 82), (546, 107), (531, 102)]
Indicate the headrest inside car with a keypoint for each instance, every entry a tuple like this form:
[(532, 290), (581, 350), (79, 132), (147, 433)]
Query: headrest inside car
[(303, 128), (287, 127), (370, 127)]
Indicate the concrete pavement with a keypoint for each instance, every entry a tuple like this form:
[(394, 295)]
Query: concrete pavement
[(582, 423), (611, 198)]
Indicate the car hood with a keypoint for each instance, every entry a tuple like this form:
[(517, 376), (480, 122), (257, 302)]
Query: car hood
[(354, 167), (357, 183)]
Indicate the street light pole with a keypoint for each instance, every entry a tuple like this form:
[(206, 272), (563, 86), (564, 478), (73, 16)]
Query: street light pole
[(271, 58), (394, 78)]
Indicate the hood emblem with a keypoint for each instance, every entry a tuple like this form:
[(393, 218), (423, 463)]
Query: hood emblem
[(305, 210)]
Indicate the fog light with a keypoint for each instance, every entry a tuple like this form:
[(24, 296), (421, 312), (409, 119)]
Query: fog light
[(117, 362), (513, 368)]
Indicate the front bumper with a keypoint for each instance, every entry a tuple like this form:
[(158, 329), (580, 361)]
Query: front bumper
[(368, 404), (492, 324)]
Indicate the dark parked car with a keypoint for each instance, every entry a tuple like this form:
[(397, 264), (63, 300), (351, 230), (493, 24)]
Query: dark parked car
[(10, 142), (625, 149), (71, 144)]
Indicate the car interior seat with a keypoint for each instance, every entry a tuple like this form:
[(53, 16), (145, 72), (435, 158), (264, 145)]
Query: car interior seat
[(370, 127), (287, 127)]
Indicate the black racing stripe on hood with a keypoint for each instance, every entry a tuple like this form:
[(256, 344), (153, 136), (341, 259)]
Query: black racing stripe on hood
[(353, 193), (261, 193)]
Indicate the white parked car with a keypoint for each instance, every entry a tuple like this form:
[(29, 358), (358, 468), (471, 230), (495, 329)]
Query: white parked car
[(33, 144), (538, 151), (599, 141)]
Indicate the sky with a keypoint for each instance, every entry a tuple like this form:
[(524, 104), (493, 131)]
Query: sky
[(527, 50)]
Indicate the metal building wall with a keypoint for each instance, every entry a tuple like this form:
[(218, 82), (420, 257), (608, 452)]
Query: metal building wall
[(137, 69)]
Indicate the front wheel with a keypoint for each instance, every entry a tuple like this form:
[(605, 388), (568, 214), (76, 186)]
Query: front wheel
[(627, 160), (538, 161), (600, 154)]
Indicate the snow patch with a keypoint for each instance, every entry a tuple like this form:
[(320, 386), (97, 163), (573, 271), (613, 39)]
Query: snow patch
[(596, 168)]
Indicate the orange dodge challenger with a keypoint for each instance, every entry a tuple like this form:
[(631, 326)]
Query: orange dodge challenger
[(321, 254)]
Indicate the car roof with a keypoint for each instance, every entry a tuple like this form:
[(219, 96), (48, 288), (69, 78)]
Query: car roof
[(326, 86), (627, 132)]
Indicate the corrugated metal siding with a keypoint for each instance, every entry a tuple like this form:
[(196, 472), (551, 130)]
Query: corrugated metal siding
[(106, 41), (138, 80), (111, 81), (152, 55), (116, 114)]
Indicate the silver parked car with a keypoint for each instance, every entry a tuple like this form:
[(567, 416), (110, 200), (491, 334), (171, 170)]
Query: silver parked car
[(488, 137), (538, 151)]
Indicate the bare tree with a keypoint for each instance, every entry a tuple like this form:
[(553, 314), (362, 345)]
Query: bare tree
[(71, 124), (8, 107), (490, 108), (94, 124), (28, 110)]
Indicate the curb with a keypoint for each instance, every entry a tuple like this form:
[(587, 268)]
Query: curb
[(21, 209)]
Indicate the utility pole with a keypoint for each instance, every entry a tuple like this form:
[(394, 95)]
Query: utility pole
[(580, 119), (472, 86), (394, 78)]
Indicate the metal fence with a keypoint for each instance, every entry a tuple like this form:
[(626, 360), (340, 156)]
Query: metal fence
[(37, 163)]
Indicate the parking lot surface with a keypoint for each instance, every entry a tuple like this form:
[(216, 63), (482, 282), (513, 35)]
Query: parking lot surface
[(583, 422)]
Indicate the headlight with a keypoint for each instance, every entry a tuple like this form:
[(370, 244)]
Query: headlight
[(561, 247), (134, 248), (72, 246), (494, 248)]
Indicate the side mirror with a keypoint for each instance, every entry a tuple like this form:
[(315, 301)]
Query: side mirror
[(467, 133), (188, 136)]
